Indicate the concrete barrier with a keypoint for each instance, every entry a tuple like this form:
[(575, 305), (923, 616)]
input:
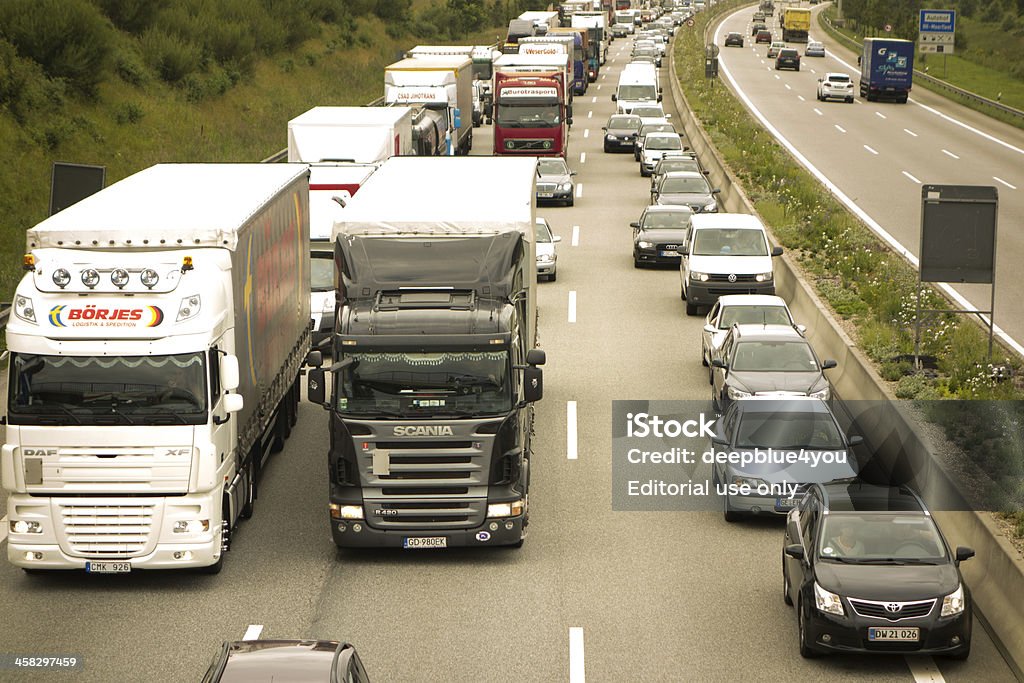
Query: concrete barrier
[(996, 575)]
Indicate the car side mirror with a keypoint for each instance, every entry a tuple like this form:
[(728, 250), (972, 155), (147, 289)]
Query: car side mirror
[(572, 173), (556, 238), (614, 99), (855, 440), (229, 374), (716, 191), (604, 127), (719, 363), (315, 359), (777, 251), (316, 387), (659, 99), (964, 553), (684, 250), (710, 328), (796, 551), (829, 364), (635, 224)]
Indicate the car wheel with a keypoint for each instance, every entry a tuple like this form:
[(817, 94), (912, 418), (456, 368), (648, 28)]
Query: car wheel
[(553, 276), (849, 100), (691, 308), (606, 149), (805, 649), (571, 201), (797, 68), (785, 583)]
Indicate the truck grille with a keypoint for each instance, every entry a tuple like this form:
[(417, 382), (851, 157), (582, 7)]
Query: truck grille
[(450, 514), (114, 531), (527, 144), (877, 610)]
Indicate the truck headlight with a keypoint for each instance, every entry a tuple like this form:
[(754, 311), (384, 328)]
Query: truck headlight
[(827, 602), (513, 509), (189, 307), (22, 526), (953, 603), (763, 277), (192, 526), (24, 309), (737, 394), (699, 277), (346, 511)]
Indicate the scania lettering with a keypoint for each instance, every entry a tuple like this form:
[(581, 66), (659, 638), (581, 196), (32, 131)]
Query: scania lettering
[(434, 368), (156, 342)]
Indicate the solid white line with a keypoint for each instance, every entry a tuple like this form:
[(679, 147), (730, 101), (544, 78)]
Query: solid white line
[(1000, 180), (880, 115), (3, 529), (911, 177), (948, 153), (579, 190), (870, 150), (571, 440), (818, 112), (590, 114), (577, 674), (575, 235), (583, 157), (572, 306), (840, 128), (253, 632), (924, 670), (586, 133), (909, 132)]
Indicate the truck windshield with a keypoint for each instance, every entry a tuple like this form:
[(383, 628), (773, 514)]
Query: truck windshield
[(405, 384), (533, 115), (637, 92), (108, 389)]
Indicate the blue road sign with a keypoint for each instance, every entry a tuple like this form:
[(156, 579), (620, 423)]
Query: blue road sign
[(937, 21)]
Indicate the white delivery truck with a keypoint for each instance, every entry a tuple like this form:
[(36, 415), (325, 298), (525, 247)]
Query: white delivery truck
[(155, 346), (362, 135), (443, 83)]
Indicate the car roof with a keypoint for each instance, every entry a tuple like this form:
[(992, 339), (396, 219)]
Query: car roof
[(751, 300), (755, 332), (668, 208), (299, 660), (854, 496), (735, 33), (789, 49), (662, 134), (733, 221)]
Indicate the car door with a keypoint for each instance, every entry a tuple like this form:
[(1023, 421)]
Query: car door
[(710, 324), (801, 571), (718, 375)]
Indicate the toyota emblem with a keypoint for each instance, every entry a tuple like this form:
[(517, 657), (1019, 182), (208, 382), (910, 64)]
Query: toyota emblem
[(893, 607), (732, 277)]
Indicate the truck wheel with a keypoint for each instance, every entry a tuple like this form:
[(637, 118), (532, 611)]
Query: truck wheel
[(250, 492), (849, 100), (296, 398)]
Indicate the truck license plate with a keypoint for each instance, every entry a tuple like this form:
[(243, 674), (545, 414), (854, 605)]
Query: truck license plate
[(108, 567), (908, 635), (415, 542)]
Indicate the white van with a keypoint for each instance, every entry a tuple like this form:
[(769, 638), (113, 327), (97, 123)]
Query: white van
[(638, 84), (726, 253)]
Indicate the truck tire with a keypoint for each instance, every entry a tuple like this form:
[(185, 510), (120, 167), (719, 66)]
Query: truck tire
[(250, 492), (280, 427)]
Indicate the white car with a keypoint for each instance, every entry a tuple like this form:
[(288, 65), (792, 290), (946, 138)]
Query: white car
[(547, 256), (651, 112), (835, 86), (656, 146), (765, 309)]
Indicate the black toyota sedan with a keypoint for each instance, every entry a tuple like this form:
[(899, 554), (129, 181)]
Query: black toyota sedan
[(620, 133), (869, 571)]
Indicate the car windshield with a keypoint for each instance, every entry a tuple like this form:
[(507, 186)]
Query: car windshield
[(627, 122), (683, 185), (788, 430), (726, 241), (757, 315), (422, 384), (667, 219), (839, 79), (881, 538), (649, 128), (637, 92), (552, 167), (774, 356), (543, 232), (663, 142), (526, 115), (94, 390)]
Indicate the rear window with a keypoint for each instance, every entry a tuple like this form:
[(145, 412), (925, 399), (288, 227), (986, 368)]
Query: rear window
[(839, 79), (789, 52)]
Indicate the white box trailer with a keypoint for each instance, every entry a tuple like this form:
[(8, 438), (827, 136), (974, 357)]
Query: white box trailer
[(360, 135), (442, 82), (155, 344)]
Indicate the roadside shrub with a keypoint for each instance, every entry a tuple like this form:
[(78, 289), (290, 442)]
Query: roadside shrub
[(24, 89), (133, 16), (129, 68), (231, 42), (170, 56), (69, 39), (128, 112), (1009, 22)]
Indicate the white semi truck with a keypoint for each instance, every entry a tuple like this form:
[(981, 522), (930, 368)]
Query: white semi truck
[(443, 84), (155, 346), (362, 135)]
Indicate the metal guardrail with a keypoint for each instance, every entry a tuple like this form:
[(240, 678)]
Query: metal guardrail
[(283, 154), (5, 314), (937, 82)]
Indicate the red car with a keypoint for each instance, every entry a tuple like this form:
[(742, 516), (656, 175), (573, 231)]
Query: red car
[(763, 36)]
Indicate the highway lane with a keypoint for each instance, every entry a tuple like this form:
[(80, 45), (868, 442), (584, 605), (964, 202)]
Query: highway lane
[(879, 154), (659, 596)]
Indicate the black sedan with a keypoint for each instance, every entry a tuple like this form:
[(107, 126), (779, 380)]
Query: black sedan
[(659, 233), (286, 660), (685, 188), (734, 39), (869, 571), (554, 181), (620, 133)]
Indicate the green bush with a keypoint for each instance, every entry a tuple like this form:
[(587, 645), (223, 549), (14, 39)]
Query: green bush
[(69, 39), (170, 56), (24, 89), (133, 16), (128, 112)]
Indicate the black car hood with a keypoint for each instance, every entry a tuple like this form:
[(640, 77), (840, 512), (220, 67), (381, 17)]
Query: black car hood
[(898, 583), (754, 382), (553, 178), (663, 235)]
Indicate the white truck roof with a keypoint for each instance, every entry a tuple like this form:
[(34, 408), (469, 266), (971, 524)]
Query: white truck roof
[(431, 63), (350, 116), (532, 59), (148, 209), (444, 195), (360, 134), (441, 50)]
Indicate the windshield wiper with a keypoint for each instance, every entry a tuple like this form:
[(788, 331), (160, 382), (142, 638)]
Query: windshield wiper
[(115, 411), (64, 410), (167, 411), (371, 414)]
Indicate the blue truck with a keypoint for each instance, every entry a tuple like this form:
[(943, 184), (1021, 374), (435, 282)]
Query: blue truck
[(886, 69)]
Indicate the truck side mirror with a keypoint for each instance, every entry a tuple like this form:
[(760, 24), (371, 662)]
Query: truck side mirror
[(233, 403), (229, 375), (315, 359), (533, 383), (317, 387), (614, 99), (536, 357)]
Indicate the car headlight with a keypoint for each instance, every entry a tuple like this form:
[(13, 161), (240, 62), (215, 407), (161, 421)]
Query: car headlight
[(827, 602), (513, 509), (22, 526), (751, 482), (644, 244), (710, 207), (823, 391), (566, 187), (699, 277), (737, 394), (953, 603), (544, 258), (763, 277)]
